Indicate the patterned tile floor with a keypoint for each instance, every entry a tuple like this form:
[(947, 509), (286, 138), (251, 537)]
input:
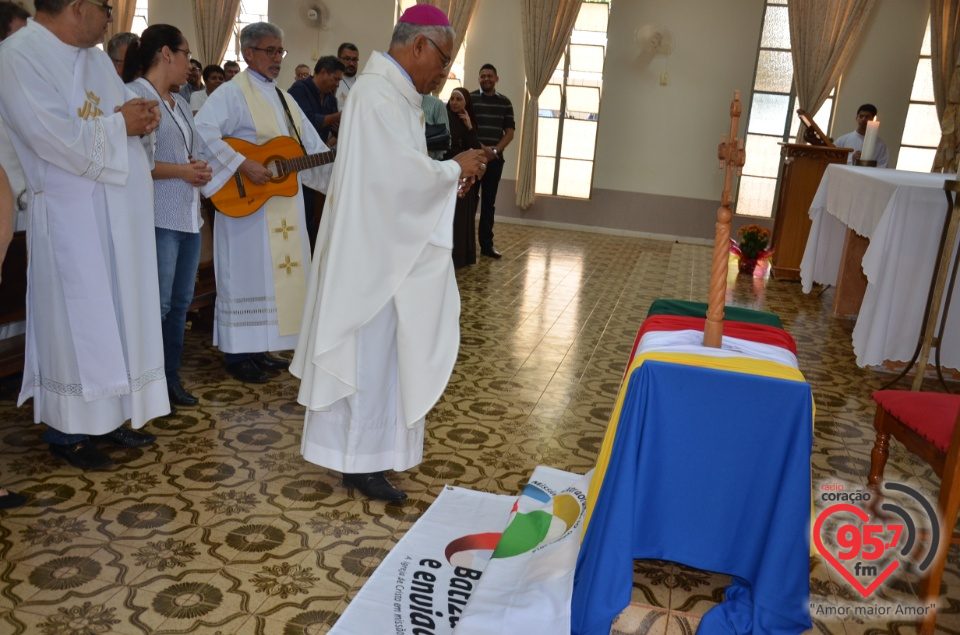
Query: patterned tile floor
[(223, 528)]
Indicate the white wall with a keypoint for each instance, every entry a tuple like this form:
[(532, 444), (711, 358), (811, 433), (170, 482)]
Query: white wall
[(366, 23), (663, 139), (656, 168)]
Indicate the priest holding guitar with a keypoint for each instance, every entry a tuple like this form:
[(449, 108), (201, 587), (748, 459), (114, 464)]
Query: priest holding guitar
[(261, 248)]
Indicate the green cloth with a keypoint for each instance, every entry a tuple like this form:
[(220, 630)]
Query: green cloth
[(699, 309)]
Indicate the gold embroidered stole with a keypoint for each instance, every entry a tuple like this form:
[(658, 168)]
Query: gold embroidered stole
[(282, 213)]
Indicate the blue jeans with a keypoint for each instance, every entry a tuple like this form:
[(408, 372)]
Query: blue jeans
[(178, 256)]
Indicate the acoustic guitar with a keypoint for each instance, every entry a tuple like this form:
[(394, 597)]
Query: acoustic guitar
[(284, 157)]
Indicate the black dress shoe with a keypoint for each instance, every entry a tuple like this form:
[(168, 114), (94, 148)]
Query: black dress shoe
[(248, 372), (128, 438), (491, 253), (84, 455), (374, 485), (269, 362), (180, 397), (11, 500)]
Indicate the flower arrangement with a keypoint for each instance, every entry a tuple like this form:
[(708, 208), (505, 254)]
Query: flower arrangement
[(753, 242)]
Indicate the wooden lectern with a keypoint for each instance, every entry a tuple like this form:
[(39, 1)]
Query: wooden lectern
[(800, 173)]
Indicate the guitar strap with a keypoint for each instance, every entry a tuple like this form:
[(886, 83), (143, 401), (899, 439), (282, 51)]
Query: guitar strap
[(290, 123), (289, 260)]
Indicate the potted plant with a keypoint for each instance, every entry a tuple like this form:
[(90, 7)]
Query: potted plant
[(752, 246)]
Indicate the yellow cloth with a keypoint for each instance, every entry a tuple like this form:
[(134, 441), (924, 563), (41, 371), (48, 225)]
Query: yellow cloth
[(289, 272)]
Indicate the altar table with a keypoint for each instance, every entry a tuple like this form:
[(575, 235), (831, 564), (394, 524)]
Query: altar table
[(902, 214)]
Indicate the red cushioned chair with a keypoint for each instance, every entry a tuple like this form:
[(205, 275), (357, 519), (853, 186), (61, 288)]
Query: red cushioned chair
[(925, 423)]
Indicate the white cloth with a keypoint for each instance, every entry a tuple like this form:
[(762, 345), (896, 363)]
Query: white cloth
[(902, 214), (854, 197), (343, 90), (246, 308), (855, 140), (94, 355), (385, 239), (691, 341), (197, 100)]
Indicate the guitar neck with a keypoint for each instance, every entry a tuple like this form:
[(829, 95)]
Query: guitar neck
[(306, 162)]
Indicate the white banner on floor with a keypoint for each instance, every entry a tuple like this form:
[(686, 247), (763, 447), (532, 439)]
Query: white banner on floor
[(432, 578)]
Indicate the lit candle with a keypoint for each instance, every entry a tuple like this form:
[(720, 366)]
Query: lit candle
[(870, 140)]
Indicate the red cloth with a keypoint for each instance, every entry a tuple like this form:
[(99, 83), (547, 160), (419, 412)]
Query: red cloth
[(931, 414), (760, 333)]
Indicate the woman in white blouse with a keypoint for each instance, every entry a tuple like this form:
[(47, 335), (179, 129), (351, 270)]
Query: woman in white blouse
[(161, 60)]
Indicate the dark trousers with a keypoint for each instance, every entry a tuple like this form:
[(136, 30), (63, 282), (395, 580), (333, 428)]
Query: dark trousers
[(488, 202)]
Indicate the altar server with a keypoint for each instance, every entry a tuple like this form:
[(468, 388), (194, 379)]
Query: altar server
[(94, 355), (381, 327), (260, 259)]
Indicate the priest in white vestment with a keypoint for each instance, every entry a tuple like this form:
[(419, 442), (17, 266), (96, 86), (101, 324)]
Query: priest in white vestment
[(381, 328), (94, 356), (260, 260)]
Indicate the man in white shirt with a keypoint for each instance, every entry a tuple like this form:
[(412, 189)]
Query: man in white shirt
[(381, 324), (261, 259), (94, 353), (349, 54), (854, 139)]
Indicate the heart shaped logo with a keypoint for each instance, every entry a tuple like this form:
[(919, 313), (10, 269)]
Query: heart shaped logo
[(818, 541)]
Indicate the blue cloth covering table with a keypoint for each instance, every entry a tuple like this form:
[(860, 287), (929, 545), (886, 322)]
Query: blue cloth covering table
[(710, 468)]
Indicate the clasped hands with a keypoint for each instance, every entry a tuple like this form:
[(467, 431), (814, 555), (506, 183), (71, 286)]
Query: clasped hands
[(197, 173), (141, 116)]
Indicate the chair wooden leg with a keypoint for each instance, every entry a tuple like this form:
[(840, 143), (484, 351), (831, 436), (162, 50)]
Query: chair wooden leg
[(878, 462), (948, 504)]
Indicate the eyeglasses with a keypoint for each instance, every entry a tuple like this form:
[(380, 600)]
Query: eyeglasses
[(444, 57), (186, 52), (103, 5), (271, 52)]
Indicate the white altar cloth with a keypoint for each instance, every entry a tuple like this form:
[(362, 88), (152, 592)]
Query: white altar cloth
[(902, 214)]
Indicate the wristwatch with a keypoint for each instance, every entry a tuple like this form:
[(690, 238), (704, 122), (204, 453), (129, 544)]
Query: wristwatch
[(496, 152)]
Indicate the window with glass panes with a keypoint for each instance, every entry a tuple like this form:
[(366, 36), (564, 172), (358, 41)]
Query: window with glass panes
[(921, 131), (250, 11), (772, 117), (570, 108), (140, 17)]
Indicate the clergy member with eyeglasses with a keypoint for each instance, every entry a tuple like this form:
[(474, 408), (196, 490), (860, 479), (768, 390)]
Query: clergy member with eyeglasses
[(261, 260), (94, 353)]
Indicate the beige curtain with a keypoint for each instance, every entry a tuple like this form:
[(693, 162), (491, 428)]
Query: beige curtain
[(824, 34), (215, 20), (123, 11), (547, 25), (459, 12), (944, 52)]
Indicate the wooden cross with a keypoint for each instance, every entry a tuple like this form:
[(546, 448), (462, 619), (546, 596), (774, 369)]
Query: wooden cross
[(732, 157)]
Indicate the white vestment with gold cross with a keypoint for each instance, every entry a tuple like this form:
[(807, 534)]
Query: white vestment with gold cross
[(253, 253), (94, 352)]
